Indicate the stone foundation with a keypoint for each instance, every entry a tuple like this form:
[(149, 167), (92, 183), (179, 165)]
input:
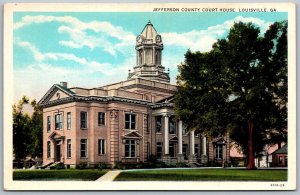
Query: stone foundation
[(180, 158), (204, 159), (166, 159), (192, 159)]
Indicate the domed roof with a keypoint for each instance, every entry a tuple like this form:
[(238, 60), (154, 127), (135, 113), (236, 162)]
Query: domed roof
[(149, 32)]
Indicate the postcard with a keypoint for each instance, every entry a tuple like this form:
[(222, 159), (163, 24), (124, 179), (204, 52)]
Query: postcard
[(168, 96)]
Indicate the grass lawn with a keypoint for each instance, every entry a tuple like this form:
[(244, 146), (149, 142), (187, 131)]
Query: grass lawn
[(204, 175), (63, 174)]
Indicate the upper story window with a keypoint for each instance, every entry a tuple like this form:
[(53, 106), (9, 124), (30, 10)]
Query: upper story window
[(101, 118), (158, 124), (58, 121), (48, 123), (69, 120), (129, 121), (172, 128), (83, 120)]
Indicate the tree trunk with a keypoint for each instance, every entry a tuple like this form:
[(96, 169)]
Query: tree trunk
[(250, 164)]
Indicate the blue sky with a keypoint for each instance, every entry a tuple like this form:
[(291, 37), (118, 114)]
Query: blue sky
[(93, 49)]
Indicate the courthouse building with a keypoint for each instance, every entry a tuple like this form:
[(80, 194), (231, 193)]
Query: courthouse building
[(130, 121)]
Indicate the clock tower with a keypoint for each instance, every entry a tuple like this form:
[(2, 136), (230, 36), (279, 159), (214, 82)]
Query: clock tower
[(149, 48)]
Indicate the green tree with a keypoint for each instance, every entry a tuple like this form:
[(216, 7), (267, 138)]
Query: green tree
[(27, 129), (21, 128), (36, 126), (240, 85)]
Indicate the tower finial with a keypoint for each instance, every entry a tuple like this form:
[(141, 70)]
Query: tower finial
[(149, 22)]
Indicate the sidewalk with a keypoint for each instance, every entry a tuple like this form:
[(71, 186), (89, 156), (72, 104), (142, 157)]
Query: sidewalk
[(109, 176)]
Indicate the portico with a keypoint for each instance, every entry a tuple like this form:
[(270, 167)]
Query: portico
[(173, 136)]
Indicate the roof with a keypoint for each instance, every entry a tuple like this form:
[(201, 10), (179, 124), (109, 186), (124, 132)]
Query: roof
[(65, 89), (282, 150), (169, 99), (149, 31), (53, 89)]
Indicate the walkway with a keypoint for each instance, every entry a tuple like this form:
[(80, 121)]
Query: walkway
[(109, 176)]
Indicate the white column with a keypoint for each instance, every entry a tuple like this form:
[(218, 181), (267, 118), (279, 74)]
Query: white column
[(166, 135), (204, 146), (180, 137), (192, 142)]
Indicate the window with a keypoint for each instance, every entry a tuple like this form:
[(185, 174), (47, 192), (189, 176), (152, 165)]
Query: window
[(172, 150), (185, 151), (48, 149), (83, 120), (48, 123), (219, 151), (184, 129), (101, 146), (172, 129), (129, 148), (159, 150), (101, 118), (158, 124), (280, 160), (83, 148), (196, 150), (68, 148), (69, 120), (58, 121), (130, 121), (286, 161)]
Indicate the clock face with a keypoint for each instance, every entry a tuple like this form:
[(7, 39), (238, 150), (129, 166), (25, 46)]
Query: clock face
[(158, 38), (139, 39)]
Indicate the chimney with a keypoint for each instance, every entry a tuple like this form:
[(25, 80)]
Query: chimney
[(64, 84)]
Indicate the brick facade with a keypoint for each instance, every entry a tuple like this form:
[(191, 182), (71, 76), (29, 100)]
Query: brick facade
[(130, 110)]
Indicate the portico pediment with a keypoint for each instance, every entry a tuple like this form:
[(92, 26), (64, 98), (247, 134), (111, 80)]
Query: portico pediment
[(132, 135), (219, 141), (56, 136), (174, 139)]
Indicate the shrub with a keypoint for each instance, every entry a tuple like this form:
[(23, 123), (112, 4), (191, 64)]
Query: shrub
[(101, 165), (235, 163), (181, 164), (82, 165), (140, 165), (159, 164), (119, 165), (59, 166)]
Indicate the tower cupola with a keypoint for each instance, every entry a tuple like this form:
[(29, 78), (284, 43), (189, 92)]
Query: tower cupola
[(149, 48)]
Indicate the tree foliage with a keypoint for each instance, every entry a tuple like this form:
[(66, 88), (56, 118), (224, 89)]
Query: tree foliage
[(27, 129), (240, 85)]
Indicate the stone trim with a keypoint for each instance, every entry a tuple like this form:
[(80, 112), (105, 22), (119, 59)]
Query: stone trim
[(89, 99)]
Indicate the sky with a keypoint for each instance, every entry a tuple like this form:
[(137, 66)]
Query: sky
[(92, 49)]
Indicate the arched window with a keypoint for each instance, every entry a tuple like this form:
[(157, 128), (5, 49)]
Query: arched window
[(141, 56)]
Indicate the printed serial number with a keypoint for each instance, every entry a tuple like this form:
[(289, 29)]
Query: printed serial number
[(277, 185)]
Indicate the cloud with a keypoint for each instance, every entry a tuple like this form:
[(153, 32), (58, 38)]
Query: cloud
[(51, 67), (43, 58), (79, 35), (203, 40)]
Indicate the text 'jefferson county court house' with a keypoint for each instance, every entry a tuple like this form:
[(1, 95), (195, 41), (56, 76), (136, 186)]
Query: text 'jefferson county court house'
[(129, 121)]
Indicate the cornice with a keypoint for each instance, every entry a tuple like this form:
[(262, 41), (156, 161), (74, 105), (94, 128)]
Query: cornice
[(89, 99)]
